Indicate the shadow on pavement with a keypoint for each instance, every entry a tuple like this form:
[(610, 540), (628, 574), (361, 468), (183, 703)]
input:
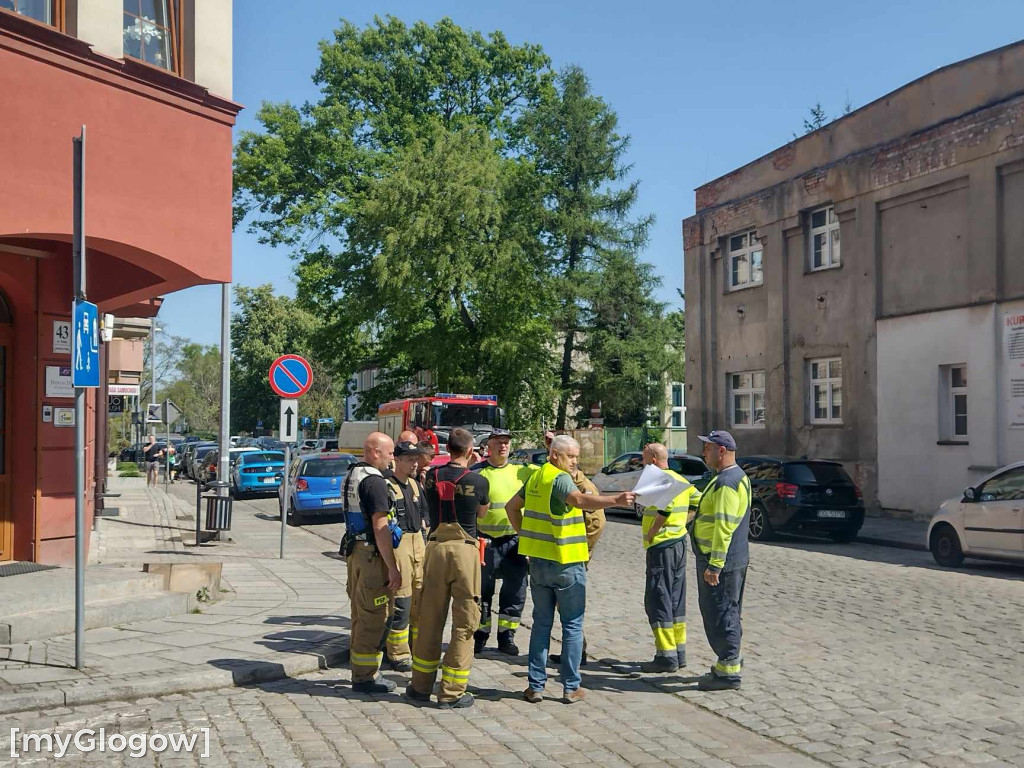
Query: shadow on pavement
[(905, 558)]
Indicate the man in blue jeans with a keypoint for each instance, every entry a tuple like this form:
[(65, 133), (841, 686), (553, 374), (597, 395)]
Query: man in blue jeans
[(548, 514)]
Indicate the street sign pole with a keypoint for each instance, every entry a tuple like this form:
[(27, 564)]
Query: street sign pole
[(288, 431), (78, 248), (167, 446)]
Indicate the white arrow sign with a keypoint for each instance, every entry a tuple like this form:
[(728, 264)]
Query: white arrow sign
[(289, 421)]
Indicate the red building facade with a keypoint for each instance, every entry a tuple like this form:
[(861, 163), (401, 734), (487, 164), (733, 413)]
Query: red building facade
[(158, 219)]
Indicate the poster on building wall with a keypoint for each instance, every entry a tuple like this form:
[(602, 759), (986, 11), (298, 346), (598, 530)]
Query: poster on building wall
[(1013, 352)]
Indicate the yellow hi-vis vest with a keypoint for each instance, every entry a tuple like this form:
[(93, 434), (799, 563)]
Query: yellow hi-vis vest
[(559, 538), (674, 526), (505, 483)]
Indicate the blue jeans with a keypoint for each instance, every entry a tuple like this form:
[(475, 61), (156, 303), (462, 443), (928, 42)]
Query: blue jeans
[(564, 586)]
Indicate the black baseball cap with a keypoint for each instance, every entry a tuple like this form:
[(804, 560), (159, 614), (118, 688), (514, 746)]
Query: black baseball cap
[(499, 433), (407, 448), (719, 437)]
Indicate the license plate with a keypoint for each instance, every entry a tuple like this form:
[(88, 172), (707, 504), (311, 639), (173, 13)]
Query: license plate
[(329, 502), (267, 480), (833, 513)]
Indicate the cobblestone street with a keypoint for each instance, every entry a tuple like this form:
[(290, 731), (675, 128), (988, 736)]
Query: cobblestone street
[(855, 655)]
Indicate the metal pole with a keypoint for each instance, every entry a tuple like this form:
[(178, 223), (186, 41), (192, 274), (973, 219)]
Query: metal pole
[(167, 447), (152, 361), (285, 503), (78, 259), (224, 466)]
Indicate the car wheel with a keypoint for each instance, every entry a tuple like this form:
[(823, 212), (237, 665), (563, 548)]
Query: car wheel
[(638, 511), (945, 546), (844, 536), (294, 518), (760, 526)]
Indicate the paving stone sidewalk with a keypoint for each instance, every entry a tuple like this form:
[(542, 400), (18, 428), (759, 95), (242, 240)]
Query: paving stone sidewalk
[(277, 617)]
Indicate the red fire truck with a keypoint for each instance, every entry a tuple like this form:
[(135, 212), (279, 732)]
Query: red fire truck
[(433, 417)]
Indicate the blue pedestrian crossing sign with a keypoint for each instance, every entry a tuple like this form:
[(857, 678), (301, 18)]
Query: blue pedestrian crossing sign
[(85, 345), (290, 376)]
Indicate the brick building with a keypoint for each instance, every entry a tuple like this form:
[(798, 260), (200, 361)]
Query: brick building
[(899, 347), (151, 81)]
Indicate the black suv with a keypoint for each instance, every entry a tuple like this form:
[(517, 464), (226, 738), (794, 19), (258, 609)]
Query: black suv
[(802, 495)]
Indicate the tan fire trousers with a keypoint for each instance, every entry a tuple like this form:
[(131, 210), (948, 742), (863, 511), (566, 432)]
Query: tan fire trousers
[(368, 594), (405, 606), (451, 573)]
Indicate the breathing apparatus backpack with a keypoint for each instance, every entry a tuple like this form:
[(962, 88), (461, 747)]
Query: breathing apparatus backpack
[(357, 524)]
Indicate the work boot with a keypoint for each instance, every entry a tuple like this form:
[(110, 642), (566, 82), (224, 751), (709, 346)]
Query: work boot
[(506, 644), (573, 697), (400, 665), (378, 686), (465, 700), (661, 664), (415, 696), (710, 682), (479, 641), (681, 658), (532, 696)]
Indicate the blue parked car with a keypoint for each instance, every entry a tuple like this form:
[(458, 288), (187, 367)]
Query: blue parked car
[(257, 472), (315, 482)]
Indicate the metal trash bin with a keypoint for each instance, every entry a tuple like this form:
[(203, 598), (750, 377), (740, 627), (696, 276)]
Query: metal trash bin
[(218, 509)]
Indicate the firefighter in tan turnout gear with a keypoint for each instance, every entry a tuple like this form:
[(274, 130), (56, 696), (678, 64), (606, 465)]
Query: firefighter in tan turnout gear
[(410, 507), (457, 497), (373, 574)]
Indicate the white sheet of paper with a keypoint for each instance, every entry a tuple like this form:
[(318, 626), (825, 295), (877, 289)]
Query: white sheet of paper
[(656, 488)]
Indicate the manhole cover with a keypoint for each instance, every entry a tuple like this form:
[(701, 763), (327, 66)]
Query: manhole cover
[(16, 569)]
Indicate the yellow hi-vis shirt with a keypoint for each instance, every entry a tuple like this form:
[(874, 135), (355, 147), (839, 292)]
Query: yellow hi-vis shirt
[(675, 513), (559, 538), (505, 483)]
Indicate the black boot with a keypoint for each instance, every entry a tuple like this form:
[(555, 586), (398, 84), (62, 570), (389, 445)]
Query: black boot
[(506, 644), (380, 685), (479, 641), (660, 664)]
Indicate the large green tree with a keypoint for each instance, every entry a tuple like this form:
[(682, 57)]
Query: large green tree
[(573, 137), (413, 217), (633, 346), (196, 390)]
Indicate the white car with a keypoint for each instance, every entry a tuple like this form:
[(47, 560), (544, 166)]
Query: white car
[(622, 473), (987, 522)]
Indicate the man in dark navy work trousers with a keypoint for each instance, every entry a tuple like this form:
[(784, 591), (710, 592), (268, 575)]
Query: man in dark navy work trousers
[(722, 553)]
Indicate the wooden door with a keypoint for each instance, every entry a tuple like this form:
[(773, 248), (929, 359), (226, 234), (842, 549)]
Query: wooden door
[(6, 444)]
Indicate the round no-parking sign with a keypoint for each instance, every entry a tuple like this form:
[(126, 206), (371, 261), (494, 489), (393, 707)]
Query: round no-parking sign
[(290, 376)]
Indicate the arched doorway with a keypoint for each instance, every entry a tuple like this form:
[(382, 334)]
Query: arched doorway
[(6, 340)]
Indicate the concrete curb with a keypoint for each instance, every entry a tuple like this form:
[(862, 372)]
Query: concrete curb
[(246, 673)]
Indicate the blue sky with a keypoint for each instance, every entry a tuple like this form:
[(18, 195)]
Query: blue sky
[(701, 87)]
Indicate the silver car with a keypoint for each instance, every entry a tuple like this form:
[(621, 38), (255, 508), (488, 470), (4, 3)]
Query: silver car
[(622, 473)]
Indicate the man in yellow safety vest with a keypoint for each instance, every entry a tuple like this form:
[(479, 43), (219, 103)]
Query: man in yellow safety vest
[(548, 513)]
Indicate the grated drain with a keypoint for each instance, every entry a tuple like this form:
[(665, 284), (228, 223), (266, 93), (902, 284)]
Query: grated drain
[(16, 569)]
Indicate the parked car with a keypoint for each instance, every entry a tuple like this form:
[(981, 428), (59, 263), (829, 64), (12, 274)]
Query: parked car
[(536, 456), (622, 473), (987, 522), (257, 472), (308, 446), (195, 457), (208, 469), (314, 486), (325, 445), (802, 495)]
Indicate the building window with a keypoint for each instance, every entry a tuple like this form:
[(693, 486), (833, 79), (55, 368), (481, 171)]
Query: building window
[(824, 241), (746, 398), (678, 415), (953, 402), (40, 10), (826, 376), (150, 32), (744, 260)]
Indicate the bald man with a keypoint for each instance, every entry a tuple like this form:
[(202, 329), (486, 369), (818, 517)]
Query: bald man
[(373, 574), (408, 436), (664, 538)]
